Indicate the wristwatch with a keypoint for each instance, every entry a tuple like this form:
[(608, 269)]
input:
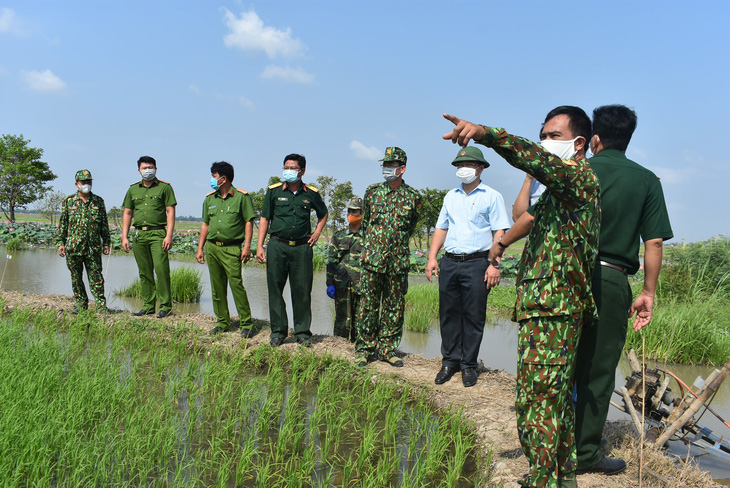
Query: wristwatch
[(499, 242)]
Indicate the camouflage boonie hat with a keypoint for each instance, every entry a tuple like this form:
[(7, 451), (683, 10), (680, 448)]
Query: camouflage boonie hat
[(394, 154), (470, 154), (355, 203), (83, 174)]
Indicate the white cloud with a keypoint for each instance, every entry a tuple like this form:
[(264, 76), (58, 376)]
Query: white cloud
[(194, 88), (245, 102), (249, 33), (672, 176), (361, 151), (7, 17), (294, 75), (43, 80)]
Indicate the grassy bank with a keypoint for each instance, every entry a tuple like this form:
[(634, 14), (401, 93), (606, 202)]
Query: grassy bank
[(88, 403), (691, 322)]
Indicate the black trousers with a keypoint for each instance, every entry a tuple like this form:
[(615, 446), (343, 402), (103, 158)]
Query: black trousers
[(462, 310)]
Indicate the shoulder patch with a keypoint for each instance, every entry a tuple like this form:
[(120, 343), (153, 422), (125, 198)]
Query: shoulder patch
[(209, 194), (315, 190), (271, 187), (242, 191), (165, 182), (136, 183)]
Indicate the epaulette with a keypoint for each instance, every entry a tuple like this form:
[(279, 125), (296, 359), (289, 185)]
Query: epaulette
[(165, 182), (242, 191), (315, 190), (136, 183), (209, 194), (271, 187)]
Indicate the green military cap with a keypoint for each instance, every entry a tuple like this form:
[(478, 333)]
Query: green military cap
[(470, 154), (355, 203), (394, 154), (83, 174)]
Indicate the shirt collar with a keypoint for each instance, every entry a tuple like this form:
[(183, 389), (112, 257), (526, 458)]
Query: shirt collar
[(285, 187), (155, 182), (480, 187)]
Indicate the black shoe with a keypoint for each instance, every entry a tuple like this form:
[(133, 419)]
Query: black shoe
[(276, 341), (304, 342), (607, 465), (247, 333), (469, 377), (76, 310), (361, 362), (445, 374), (143, 312), (162, 314), (217, 330)]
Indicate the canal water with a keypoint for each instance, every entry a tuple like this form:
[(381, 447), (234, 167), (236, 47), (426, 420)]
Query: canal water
[(44, 272)]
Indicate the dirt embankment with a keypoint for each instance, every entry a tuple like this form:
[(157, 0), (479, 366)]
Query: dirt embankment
[(489, 405)]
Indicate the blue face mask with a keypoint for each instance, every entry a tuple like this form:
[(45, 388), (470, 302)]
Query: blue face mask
[(290, 175), (214, 183)]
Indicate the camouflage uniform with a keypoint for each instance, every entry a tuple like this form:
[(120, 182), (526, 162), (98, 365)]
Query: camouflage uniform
[(554, 302), (389, 219), (343, 271), (84, 231)]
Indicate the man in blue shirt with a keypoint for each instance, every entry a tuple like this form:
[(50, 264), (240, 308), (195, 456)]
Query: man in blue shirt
[(472, 217)]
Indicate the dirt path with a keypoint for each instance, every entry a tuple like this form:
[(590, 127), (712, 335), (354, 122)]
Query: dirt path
[(489, 404)]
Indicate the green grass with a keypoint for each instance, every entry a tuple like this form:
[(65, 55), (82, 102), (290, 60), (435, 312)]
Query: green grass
[(88, 403), (691, 321), (185, 286)]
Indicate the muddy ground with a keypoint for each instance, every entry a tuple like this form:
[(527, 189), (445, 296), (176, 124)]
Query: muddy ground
[(489, 405)]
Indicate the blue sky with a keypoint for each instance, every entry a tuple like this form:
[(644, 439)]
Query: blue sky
[(97, 84)]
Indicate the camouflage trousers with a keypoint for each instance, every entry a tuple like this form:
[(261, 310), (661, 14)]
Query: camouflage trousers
[(380, 316), (546, 354), (346, 302), (92, 261)]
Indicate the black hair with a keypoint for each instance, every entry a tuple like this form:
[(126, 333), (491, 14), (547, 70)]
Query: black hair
[(614, 124), (146, 159), (298, 158), (223, 169), (580, 124)]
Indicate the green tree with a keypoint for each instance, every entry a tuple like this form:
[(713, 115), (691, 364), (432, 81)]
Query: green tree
[(431, 202), (341, 195), (325, 185), (114, 214), (50, 205), (23, 176)]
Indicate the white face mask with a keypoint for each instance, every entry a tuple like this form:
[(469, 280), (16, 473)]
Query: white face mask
[(561, 149), (389, 174), (466, 175), (148, 174), (86, 189)]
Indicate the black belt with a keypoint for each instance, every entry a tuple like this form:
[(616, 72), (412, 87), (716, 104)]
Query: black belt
[(151, 227), (226, 243), (291, 243), (467, 257), (613, 266)]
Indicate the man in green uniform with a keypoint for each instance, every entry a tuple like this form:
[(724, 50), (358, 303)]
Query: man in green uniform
[(83, 234), (554, 299), (343, 271), (390, 215), (633, 208), (226, 234), (285, 215), (151, 203)]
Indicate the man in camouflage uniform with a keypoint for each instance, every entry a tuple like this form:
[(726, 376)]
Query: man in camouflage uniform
[(83, 234), (343, 271), (390, 215), (554, 299), (151, 203)]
